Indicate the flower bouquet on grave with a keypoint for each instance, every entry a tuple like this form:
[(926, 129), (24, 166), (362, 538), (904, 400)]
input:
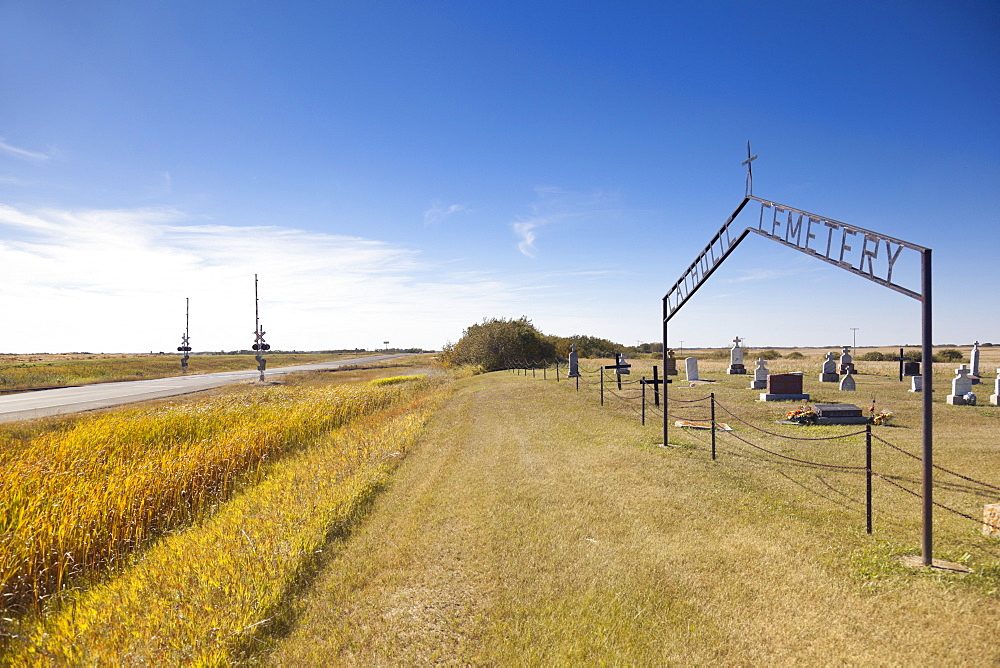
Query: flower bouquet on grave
[(883, 418), (803, 415)]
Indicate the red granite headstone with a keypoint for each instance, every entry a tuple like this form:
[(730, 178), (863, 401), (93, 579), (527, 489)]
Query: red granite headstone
[(784, 383)]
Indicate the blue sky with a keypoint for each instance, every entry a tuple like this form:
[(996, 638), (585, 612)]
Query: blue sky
[(399, 171)]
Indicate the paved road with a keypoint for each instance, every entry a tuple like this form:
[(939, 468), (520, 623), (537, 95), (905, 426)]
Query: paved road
[(28, 405)]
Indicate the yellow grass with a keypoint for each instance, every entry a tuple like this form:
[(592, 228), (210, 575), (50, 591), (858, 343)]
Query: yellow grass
[(530, 526), (207, 594), (78, 500)]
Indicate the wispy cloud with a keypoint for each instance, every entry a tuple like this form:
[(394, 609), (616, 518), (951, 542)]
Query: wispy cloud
[(439, 212), (115, 280), (20, 152), (555, 205), (525, 232)]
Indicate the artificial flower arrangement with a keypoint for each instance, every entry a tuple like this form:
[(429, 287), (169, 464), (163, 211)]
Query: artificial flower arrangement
[(803, 415), (882, 418)]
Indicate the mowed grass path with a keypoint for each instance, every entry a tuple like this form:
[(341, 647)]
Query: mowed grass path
[(530, 526)]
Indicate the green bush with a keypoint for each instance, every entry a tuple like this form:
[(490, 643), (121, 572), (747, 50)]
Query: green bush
[(874, 356), (498, 344), (949, 355), (769, 354), (795, 355)]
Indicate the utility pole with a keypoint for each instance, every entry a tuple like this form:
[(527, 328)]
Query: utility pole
[(258, 333), (854, 330), (185, 346)]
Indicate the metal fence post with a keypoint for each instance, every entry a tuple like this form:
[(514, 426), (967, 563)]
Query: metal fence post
[(868, 477), (602, 386), (712, 397), (643, 383)]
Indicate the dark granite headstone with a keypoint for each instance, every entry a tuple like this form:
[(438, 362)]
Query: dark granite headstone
[(784, 383), (911, 368), (837, 410)]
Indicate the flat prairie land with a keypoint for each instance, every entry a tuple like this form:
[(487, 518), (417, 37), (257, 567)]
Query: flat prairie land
[(529, 525), (20, 372), (507, 518)]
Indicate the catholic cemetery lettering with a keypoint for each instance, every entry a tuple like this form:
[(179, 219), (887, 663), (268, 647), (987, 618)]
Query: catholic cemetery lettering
[(961, 388), (829, 373), (784, 387), (736, 367), (760, 373)]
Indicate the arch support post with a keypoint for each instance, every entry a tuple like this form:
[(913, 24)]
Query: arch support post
[(927, 398)]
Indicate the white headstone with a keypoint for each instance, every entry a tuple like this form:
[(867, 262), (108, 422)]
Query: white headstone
[(961, 383), (847, 383), (691, 367), (960, 386), (916, 383), (995, 397), (974, 359), (759, 375), (846, 361), (736, 354), (829, 366)]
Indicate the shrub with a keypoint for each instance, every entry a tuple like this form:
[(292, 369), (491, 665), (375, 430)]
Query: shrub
[(794, 355), (949, 355), (873, 356), (498, 344), (769, 354)]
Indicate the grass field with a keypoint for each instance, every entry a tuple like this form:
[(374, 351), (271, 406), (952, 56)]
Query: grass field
[(91, 504), (531, 526), (19, 372), (526, 524)]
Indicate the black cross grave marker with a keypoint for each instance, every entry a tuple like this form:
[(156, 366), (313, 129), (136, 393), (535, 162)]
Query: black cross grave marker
[(656, 382), (900, 359)]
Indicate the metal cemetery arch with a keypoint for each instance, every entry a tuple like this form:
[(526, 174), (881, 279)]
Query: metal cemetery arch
[(818, 236)]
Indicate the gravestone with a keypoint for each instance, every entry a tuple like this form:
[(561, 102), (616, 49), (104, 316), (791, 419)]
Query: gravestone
[(848, 384), (839, 414), (829, 373), (670, 365), (911, 368), (960, 386), (759, 375), (574, 362), (691, 368), (736, 367), (916, 383), (846, 361), (995, 397), (974, 363), (784, 387), (622, 368)]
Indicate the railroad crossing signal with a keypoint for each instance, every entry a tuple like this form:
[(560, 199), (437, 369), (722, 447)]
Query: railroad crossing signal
[(185, 346)]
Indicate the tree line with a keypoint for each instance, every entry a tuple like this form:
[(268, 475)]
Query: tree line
[(499, 343)]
